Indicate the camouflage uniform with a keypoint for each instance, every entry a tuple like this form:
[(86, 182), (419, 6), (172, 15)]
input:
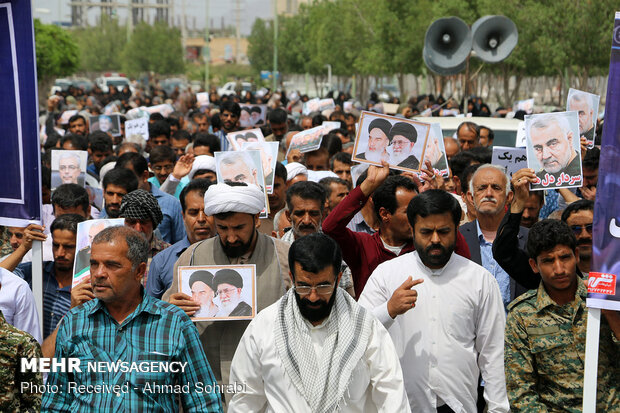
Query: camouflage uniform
[(544, 355), (15, 344)]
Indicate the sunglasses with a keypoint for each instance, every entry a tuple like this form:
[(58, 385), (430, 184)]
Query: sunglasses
[(577, 229)]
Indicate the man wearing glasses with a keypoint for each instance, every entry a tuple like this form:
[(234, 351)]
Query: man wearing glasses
[(316, 349)]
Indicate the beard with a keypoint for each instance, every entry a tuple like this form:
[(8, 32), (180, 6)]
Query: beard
[(373, 156), (237, 249), (436, 260), (228, 307), (397, 158), (113, 213), (315, 315)]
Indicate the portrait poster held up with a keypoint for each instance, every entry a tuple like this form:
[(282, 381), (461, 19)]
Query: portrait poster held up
[(308, 140), (225, 292), (586, 106), (435, 151), (242, 166), (68, 167), (554, 150), (269, 157), (86, 232), (400, 142), (252, 115), (236, 139), (106, 123)]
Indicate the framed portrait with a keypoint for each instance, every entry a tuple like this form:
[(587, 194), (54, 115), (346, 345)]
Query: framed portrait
[(68, 167), (586, 106), (224, 292), (269, 157), (554, 150), (435, 151), (86, 232), (252, 115), (400, 142), (242, 166), (236, 139), (106, 123)]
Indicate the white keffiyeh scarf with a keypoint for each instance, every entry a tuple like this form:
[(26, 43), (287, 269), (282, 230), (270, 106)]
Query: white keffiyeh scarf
[(323, 380)]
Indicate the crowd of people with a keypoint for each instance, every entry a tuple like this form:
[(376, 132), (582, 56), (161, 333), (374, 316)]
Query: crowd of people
[(377, 289)]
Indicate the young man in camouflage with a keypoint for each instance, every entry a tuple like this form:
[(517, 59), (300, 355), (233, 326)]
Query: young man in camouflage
[(546, 332), (15, 345)]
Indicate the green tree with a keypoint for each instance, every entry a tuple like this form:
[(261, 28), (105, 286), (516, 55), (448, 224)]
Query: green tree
[(57, 53), (157, 48), (260, 45), (101, 45)]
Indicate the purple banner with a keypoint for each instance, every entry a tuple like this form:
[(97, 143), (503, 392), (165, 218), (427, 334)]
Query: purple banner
[(604, 280), (20, 186)]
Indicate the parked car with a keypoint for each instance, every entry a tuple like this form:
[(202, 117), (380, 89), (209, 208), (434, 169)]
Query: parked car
[(104, 82), (60, 85), (505, 130), (168, 85), (229, 88)]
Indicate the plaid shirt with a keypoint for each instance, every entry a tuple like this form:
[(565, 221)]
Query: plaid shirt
[(155, 332)]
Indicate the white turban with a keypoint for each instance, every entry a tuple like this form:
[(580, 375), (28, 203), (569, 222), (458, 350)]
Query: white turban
[(316, 176), (202, 162), (295, 168), (222, 198)]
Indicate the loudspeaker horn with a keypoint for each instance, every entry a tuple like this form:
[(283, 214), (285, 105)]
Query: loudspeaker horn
[(494, 38), (447, 44)]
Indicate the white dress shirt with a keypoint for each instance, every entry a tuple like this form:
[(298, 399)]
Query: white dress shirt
[(17, 304), (376, 383), (454, 332)]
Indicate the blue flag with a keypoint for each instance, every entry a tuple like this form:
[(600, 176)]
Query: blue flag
[(603, 283), (20, 186)]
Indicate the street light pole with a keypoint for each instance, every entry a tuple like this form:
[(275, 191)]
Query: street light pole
[(207, 48), (275, 45)]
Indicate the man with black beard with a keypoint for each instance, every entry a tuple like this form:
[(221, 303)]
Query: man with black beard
[(454, 331), (316, 349), (235, 208)]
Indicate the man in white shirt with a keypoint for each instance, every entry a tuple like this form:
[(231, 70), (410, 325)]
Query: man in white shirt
[(17, 304), (316, 349), (448, 330)]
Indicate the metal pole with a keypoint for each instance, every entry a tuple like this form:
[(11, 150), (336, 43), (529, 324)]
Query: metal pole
[(207, 48), (591, 363), (275, 45), (37, 278)]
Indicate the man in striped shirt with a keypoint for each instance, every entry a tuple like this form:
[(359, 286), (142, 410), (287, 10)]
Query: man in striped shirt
[(136, 353)]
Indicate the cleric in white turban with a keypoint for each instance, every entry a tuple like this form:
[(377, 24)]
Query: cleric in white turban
[(202, 163), (295, 172), (238, 197), (235, 209)]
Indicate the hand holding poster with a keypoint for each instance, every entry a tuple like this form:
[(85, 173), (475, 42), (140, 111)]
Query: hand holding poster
[(554, 150), (400, 142), (138, 126), (225, 292), (236, 139), (586, 105), (512, 159), (86, 232)]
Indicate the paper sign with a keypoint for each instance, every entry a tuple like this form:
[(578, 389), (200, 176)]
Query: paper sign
[(138, 126), (202, 99), (308, 140), (521, 141), (66, 115), (586, 105), (512, 159), (390, 108), (310, 106), (525, 105), (236, 139)]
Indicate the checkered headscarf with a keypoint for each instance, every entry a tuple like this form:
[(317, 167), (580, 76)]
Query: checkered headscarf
[(141, 204)]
